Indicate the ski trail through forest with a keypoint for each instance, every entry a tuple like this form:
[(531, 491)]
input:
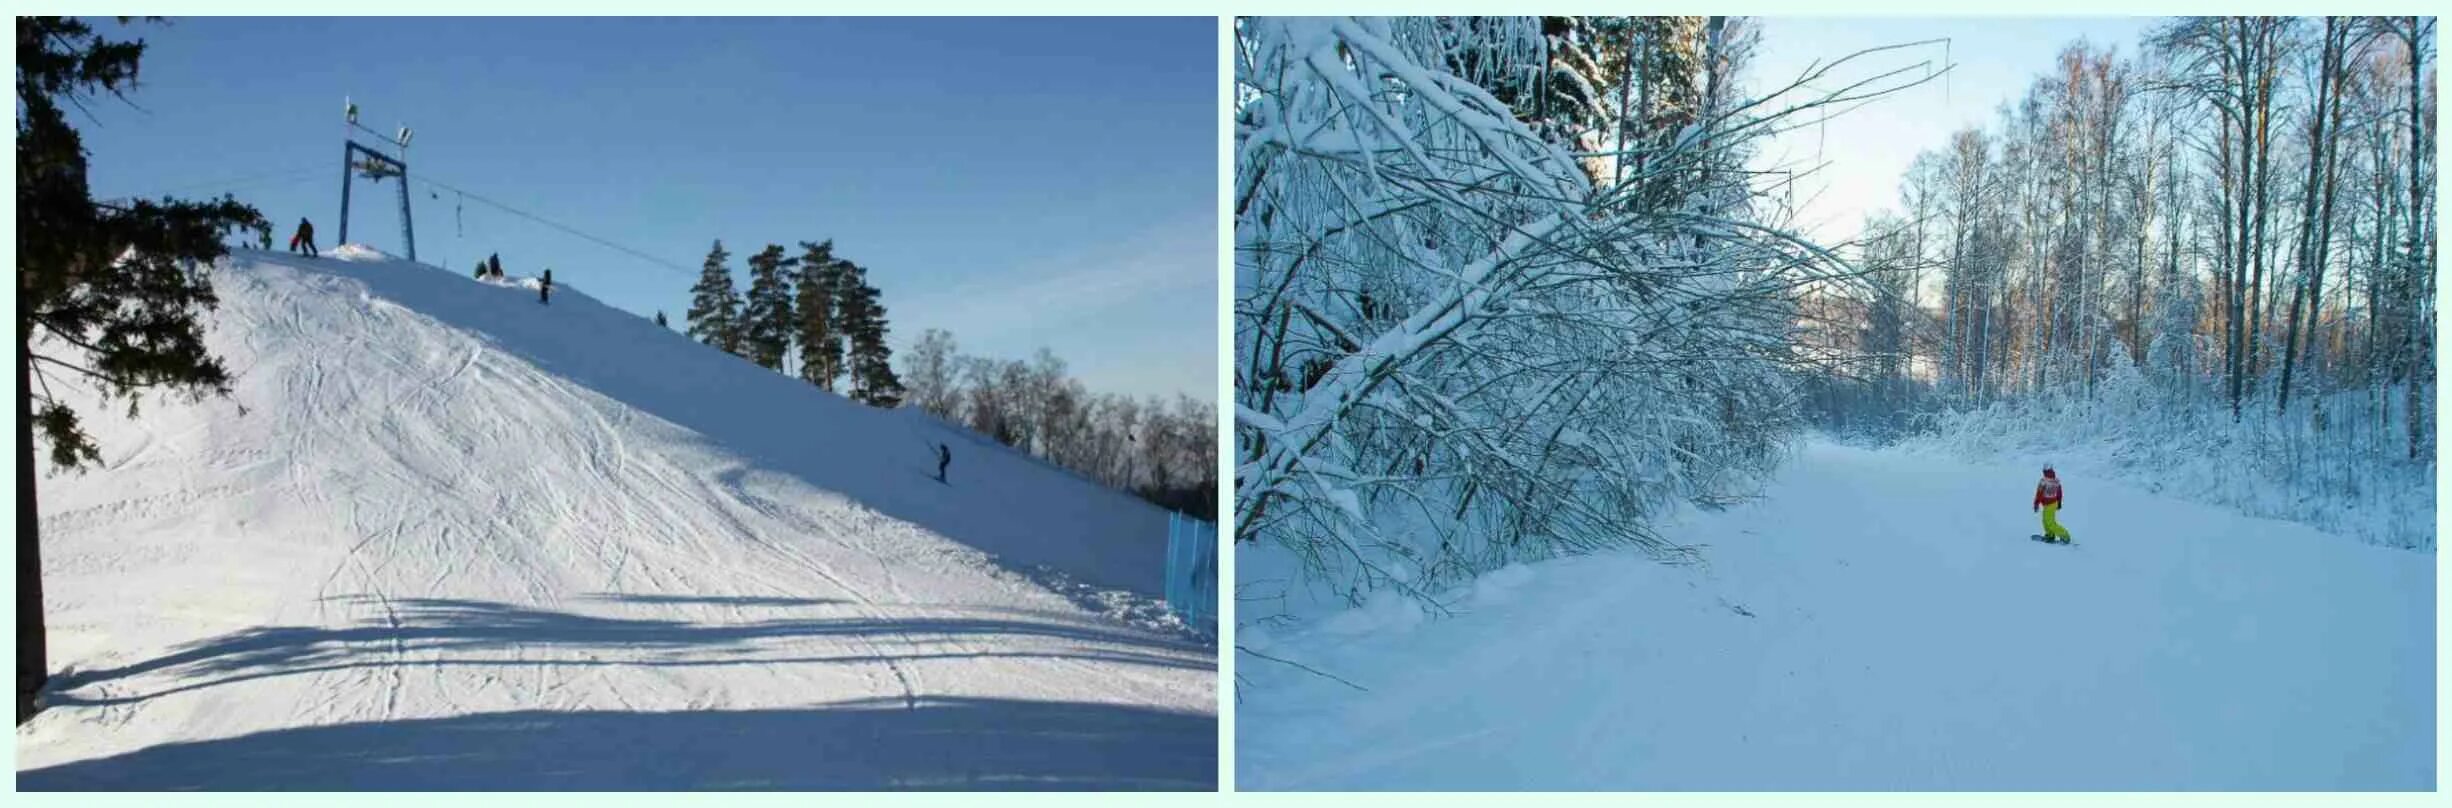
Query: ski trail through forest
[(1878, 619)]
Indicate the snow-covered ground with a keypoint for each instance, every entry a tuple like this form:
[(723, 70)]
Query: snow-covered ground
[(444, 537), (1879, 620)]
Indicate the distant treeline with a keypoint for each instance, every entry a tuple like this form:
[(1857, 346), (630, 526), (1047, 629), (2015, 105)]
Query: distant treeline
[(816, 317), (1163, 450)]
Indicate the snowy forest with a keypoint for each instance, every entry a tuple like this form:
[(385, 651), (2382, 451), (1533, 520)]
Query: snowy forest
[(1513, 288), (816, 317), (2209, 255)]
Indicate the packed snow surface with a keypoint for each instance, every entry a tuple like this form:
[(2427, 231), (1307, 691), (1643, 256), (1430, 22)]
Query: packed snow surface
[(1879, 620), (443, 536)]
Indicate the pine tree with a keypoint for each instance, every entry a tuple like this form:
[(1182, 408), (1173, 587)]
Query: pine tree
[(861, 320), (115, 290), (715, 310), (493, 265), (660, 319), (480, 270), (821, 343), (766, 320)]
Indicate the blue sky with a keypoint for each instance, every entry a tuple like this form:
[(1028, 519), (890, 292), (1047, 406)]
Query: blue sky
[(1019, 182), (1868, 150)]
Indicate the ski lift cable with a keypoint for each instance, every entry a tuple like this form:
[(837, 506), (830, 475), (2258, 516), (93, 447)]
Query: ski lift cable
[(607, 243)]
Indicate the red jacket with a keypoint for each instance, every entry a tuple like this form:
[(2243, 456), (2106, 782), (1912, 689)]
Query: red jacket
[(2047, 492)]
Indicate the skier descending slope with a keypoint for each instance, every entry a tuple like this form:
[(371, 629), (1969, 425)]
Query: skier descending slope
[(2047, 501)]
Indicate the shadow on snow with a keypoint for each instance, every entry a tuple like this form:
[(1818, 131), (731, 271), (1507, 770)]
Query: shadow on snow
[(954, 744), (434, 627)]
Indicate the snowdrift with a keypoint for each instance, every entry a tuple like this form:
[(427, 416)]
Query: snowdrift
[(556, 544)]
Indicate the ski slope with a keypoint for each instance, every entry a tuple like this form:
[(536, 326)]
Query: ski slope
[(1878, 621), (444, 537)]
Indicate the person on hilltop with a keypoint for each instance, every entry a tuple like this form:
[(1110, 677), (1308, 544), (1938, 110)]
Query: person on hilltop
[(305, 238)]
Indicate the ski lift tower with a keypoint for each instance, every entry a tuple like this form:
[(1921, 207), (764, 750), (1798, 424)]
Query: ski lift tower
[(358, 160)]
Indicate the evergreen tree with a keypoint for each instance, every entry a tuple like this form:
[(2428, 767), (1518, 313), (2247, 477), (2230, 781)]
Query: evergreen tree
[(821, 343), (715, 310), (480, 270), (766, 322), (660, 319), (114, 291), (493, 265), (861, 320)]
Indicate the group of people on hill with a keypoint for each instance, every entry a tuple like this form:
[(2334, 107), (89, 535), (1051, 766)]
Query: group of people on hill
[(303, 242), (491, 268)]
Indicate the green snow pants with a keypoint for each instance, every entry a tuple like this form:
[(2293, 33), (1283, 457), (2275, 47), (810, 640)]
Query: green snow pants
[(2051, 523)]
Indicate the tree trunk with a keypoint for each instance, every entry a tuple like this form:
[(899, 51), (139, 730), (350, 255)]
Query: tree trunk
[(2311, 252), (2236, 198), (33, 668), (2290, 341), (2137, 337), (2258, 299), (2416, 268)]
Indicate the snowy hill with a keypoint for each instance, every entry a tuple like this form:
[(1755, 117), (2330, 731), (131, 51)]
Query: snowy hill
[(442, 536), (1878, 620)]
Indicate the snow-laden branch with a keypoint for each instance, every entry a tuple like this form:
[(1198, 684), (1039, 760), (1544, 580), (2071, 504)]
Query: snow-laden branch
[(1459, 344)]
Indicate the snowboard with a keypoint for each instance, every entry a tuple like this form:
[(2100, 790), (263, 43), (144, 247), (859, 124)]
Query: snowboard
[(2039, 537)]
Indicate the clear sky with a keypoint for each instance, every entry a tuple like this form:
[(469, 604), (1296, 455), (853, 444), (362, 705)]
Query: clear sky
[(1864, 153), (1018, 182)]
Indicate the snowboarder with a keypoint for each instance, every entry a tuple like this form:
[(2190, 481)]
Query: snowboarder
[(945, 457), (544, 289), (305, 237), (2047, 501)]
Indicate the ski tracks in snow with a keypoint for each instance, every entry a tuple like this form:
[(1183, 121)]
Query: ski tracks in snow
[(1877, 621), (453, 530)]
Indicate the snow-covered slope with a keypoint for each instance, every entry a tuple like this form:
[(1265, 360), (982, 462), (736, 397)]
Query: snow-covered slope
[(1879, 620), (442, 536)]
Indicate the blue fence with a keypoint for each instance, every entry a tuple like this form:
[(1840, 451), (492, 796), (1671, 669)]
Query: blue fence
[(1191, 570)]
